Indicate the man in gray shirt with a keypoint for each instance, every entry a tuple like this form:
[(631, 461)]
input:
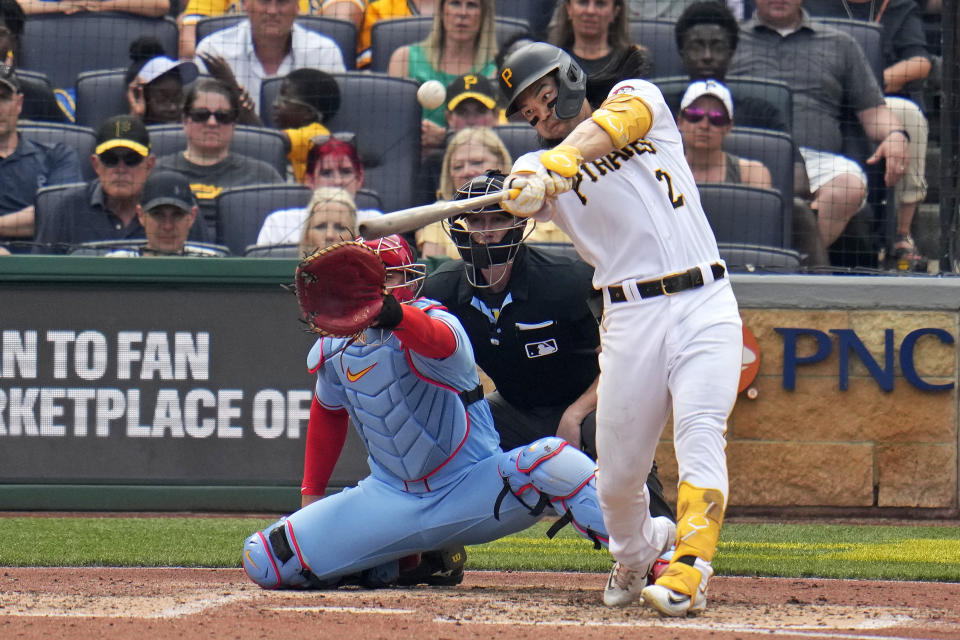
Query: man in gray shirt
[(827, 71)]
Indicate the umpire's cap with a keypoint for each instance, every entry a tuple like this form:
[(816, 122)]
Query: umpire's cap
[(531, 62)]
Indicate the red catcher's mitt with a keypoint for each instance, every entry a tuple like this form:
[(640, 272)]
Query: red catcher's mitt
[(340, 289)]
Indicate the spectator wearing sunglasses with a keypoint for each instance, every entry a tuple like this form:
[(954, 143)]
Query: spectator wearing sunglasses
[(307, 98), (25, 165), (332, 161), (105, 208), (706, 118), (209, 114)]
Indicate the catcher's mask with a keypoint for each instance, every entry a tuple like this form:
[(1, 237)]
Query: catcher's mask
[(474, 237), (396, 256), (531, 62)]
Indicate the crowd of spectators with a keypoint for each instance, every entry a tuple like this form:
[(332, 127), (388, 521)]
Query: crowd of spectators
[(850, 129)]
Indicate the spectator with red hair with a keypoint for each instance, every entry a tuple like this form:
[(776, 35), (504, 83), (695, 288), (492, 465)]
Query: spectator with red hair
[(332, 161)]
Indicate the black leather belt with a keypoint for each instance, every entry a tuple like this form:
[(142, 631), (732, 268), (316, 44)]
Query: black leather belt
[(667, 285)]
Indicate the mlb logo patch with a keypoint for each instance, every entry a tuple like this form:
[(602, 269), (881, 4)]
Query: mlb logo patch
[(540, 349)]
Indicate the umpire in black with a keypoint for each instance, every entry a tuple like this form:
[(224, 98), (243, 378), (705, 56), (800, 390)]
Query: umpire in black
[(533, 332)]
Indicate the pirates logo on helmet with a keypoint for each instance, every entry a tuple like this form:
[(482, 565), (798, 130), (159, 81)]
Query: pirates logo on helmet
[(397, 257), (531, 62), (475, 245)]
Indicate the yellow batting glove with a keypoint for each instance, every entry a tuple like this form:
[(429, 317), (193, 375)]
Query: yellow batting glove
[(553, 182), (530, 198), (564, 159)]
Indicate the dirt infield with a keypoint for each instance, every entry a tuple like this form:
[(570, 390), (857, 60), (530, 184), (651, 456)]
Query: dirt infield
[(220, 604)]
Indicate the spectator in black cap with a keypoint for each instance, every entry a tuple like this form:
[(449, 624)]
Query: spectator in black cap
[(471, 102), (167, 214), (25, 165), (106, 208)]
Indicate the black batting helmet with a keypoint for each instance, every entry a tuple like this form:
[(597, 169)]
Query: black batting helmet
[(474, 248), (531, 62)]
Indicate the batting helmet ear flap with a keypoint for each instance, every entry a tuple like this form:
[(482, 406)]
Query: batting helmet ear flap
[(531, 62)]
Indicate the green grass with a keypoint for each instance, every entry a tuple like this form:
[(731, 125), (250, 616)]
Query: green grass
[(788, 550)]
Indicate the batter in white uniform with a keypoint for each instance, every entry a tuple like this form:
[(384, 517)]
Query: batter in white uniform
[(616, 181)]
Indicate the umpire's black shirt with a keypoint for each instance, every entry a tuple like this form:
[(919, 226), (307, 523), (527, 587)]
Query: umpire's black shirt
[(540, 347)]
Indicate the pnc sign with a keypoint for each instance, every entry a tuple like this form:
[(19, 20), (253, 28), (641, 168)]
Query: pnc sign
[(849, 345)]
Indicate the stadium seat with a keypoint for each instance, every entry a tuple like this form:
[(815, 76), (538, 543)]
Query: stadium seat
[(255, 142), (385, 115), (39, 102), (867, 34), (536, 13), (368, 199), (272, 251), (750, 258), (745, 214), (242, 210), (772, 94), (340, 31), (103, 247), (387, 36), (82, 139), (269, 89), (62, 46), (518, 138), (658, 38), (100, 95), (50, 199), (565, 249), (775, 150)]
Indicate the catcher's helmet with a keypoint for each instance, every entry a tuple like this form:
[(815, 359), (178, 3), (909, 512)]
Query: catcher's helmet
[(397, 257), (473, 247), (531, 62)]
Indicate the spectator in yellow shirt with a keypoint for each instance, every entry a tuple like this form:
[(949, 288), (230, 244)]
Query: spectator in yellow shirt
[(386, 10), (307, 99)]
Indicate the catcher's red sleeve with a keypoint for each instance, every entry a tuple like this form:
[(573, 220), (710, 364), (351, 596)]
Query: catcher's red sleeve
[(326, 433), (427, 336)]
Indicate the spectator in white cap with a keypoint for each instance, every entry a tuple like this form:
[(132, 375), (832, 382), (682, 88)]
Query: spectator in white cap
[(705, 120), (155, 82)]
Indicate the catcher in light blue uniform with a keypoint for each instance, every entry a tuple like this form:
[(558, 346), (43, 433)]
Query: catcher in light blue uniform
[(438, 477)]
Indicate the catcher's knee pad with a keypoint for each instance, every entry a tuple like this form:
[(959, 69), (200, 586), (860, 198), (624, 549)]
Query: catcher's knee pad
[(549, 471), (272, 561)]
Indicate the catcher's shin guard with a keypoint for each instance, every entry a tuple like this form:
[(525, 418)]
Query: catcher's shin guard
[(272, 561), (550, 472), (699, 518)]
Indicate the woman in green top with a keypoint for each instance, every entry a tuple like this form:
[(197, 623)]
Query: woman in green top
[(462, 40)]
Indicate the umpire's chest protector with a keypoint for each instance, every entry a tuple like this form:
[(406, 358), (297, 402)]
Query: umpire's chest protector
[(411, 425)]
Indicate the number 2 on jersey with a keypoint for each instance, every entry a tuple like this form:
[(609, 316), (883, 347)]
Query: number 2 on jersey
[(663, 176)]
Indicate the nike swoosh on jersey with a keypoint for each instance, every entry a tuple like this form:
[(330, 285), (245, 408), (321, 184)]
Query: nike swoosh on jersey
[(353, 377)]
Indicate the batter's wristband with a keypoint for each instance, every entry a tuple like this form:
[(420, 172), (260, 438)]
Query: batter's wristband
[(563, 159)]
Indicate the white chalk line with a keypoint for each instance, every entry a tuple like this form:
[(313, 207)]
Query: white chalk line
[(333, 609), (684, 624)]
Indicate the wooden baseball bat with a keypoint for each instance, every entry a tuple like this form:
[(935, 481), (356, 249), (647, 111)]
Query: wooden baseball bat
[(416, 217)]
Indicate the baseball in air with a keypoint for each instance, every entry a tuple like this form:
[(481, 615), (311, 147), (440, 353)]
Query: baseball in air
[(431, 94)]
